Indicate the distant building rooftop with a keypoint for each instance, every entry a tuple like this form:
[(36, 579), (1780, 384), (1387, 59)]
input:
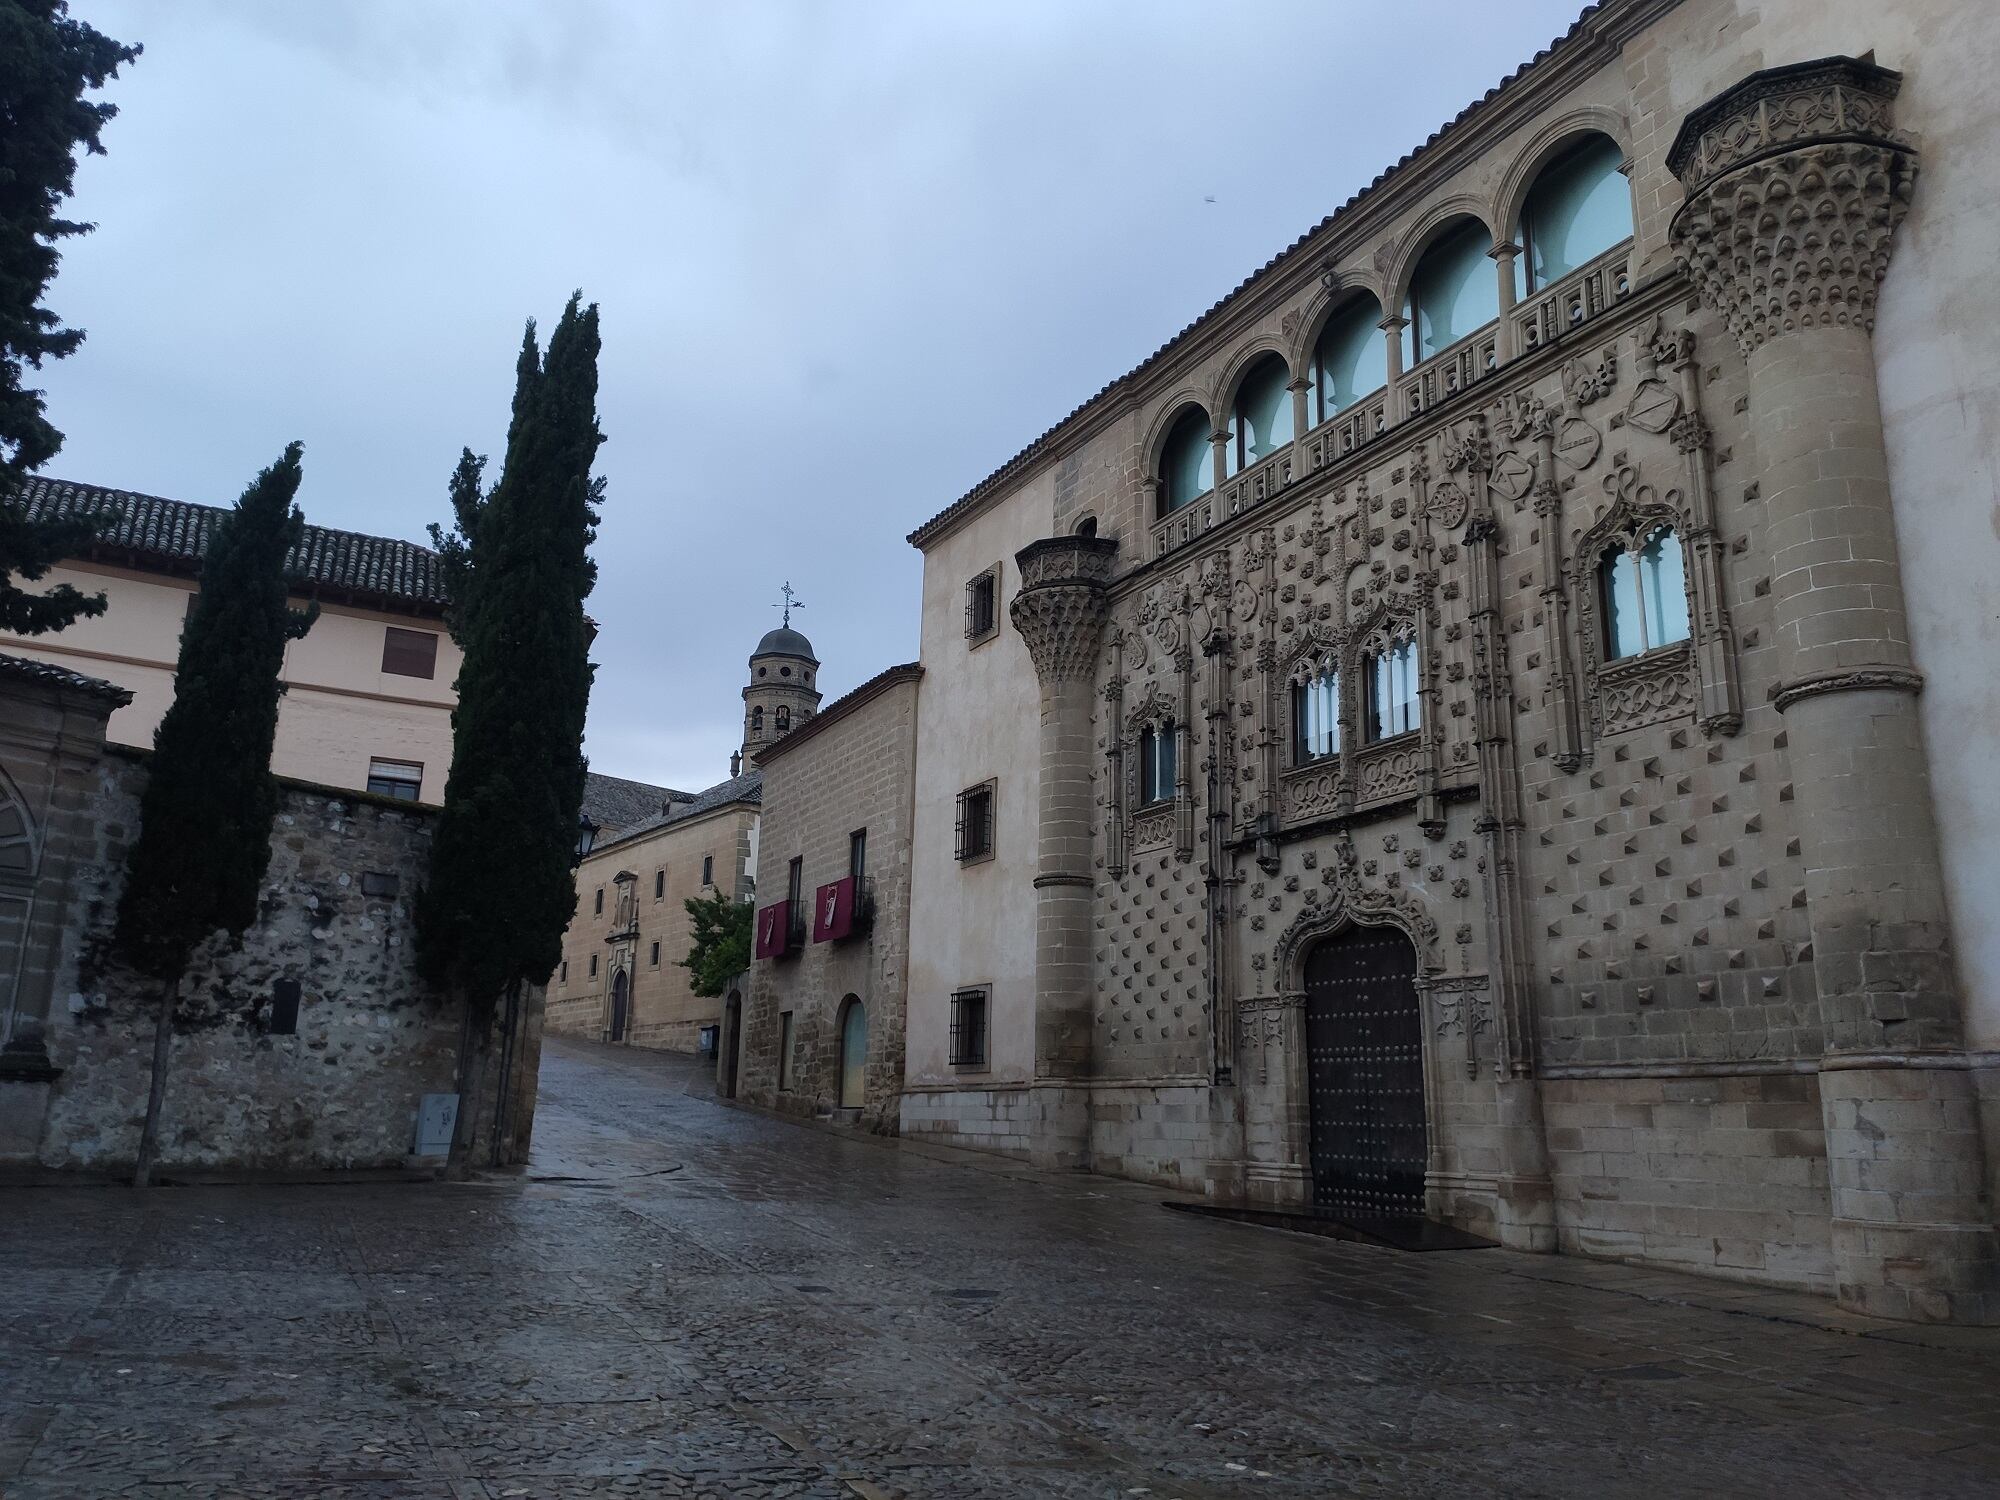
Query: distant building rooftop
[(171, 536)]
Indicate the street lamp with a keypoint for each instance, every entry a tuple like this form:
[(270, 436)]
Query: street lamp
[(586, 838)]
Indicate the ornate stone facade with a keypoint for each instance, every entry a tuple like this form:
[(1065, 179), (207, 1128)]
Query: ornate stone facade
[(1606, 602)]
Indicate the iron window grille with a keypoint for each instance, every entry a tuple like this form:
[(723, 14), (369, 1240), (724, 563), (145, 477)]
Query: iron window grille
[(968, 1028), (857, 858), (975, 823), (795, 902), (982, 607)]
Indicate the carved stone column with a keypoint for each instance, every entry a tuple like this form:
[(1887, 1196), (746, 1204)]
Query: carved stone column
[(1060, 612), (1796, 182)]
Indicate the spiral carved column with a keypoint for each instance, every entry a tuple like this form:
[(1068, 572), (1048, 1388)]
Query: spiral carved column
[(1796, 182)]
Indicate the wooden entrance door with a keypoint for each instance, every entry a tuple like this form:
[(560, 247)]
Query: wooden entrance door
[(620, 1005), (1365, 1074)]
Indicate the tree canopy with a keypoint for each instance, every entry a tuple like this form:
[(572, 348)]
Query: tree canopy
[(501, 888), (48, 61), (720, 948), (205, 833)]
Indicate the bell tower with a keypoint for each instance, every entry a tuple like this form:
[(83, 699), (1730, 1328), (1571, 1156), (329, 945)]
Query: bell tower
[(781, 693)]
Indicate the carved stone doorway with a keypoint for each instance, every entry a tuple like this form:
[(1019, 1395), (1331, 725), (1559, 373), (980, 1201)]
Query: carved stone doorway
[(620, 1004), (1365, 1075)]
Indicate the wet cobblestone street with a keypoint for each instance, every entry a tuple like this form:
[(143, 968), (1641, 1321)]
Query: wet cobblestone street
[(684, 1298)]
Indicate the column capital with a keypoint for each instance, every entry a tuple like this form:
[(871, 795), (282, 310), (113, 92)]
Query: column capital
[(1063, 603), (1796, 181)]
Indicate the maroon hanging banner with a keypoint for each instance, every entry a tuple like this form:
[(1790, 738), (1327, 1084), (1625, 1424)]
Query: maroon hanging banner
[(774, 927), (833, 910)]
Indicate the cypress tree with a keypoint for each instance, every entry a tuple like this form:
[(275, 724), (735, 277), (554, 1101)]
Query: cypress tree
[(500, 890), (47, 62), (204, 841)]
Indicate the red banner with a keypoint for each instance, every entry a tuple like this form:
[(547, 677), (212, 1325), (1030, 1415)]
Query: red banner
[(774, 927), (833, 910)]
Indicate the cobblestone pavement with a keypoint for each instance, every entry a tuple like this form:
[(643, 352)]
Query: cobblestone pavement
[(684, 1299)]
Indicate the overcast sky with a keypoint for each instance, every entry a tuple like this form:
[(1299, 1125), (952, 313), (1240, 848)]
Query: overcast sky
[(850, 257)]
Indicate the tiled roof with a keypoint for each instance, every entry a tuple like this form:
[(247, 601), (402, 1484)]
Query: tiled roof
[(613, 803), (173, 534), (1007, 471), (845, 704), (27, 669), (747, 788)]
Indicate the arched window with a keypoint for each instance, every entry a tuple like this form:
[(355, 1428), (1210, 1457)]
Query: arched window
[(1262, 421), (1579, 207), (1157, 763), (1455, 292), (757, 720), (1187, 467), (1393, 706), (1645, 595), (1350, 360), (784, 718), (1316, 718)]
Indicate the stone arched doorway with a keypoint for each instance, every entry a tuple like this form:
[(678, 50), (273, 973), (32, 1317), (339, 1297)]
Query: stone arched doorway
[(732, 1039), (1368, 1132), (853, 1053), (621, 1004)]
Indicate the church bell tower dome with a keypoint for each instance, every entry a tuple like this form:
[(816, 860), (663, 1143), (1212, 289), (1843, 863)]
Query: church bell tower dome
[(781, 693)]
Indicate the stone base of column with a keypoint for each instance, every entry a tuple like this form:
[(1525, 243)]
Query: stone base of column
[(1913, 1232), (1524, 1202), (1058, 1122)]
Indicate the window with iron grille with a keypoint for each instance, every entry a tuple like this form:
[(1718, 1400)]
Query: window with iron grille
[(975, 823), (795, 897), (857, 857), (968, 1028), (982, 607), (409, 653)]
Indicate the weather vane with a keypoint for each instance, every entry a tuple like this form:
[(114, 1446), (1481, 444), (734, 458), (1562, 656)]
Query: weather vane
[(791, 603)]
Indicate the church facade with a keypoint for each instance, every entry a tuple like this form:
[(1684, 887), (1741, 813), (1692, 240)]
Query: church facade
[(1498, 675)]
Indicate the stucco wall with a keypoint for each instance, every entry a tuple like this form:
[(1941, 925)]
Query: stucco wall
[(340, 708), (979, 718)]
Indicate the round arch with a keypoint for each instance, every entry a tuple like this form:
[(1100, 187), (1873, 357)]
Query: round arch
[(853, 1034), (1548, 143), (1230, 382), (1330, 299), (20, 849), (1165, 418), (1442, 217)]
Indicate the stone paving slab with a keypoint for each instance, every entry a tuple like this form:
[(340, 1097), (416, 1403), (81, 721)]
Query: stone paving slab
[(682, 1298)]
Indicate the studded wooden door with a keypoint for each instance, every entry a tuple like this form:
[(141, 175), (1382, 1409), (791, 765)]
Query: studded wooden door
[(1365, 1074)]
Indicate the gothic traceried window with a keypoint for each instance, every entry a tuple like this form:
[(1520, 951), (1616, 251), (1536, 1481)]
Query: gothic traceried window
[(1316, 718), (1393, 706), (1644, 589), (1157, 763)]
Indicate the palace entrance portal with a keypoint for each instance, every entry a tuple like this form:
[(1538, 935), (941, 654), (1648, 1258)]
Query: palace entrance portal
[(1365, 1075)]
